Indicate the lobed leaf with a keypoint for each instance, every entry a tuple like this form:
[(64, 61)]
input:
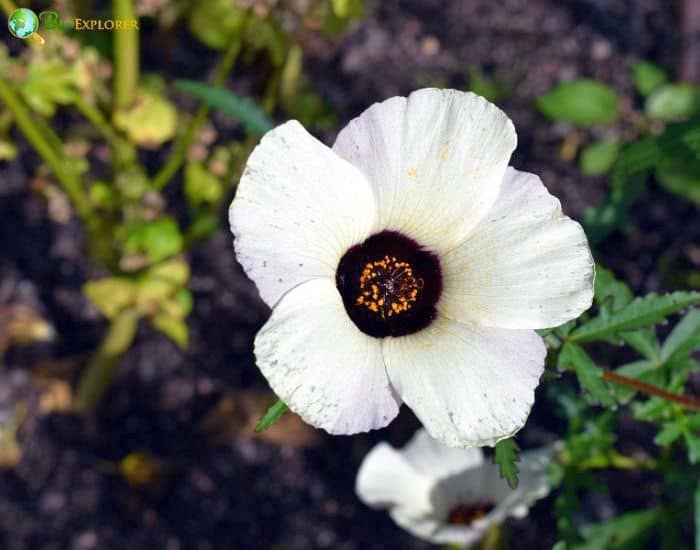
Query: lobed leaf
[(641, 312), (506, 455), (684, 338), (589, 374)]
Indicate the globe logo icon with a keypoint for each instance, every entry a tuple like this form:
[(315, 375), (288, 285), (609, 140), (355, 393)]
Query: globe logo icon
[(24, 23)]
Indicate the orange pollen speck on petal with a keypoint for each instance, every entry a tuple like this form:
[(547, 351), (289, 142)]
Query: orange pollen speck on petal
[(388, 287)]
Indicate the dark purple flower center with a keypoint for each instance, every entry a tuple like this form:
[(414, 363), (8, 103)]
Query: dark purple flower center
[(389, 285)]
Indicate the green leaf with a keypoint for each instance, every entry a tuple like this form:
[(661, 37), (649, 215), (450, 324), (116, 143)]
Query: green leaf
[(216, 22), (684, 338), (644, 341), (176, 272), (673, 102), (150, 121), (647, 77), (610, 291), (668, 434), (271, 417), (242, 109), (162, 238), (597, 158), (111, 295), (201, 186), (651, 152), (486, 86), (625, 531), (589, 375), (693, 443), (680, 176), (582, 102), (639, 313), (506, 455), (173, 327)]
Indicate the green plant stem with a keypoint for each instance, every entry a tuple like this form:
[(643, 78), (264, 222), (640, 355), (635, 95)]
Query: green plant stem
[(126, 57), (123, 150), (182, 144), (102, 367), (39, 136)]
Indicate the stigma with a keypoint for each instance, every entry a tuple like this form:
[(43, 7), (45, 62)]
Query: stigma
[(388, 287)]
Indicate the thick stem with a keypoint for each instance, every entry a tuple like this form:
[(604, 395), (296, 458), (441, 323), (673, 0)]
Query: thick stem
[(40, 138), (182, 144), (102, 368), (687, 401), (126, 56)]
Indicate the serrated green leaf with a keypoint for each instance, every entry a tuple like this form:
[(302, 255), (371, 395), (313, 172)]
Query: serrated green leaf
[(506, 455), (620, 532), (668, 434), (673, 102), (597, 158), (589, 374), (647, 77), (609, 290), (644, 341), (684, 338), (272, 416), (582, 102), (241, 109), (639, 313)]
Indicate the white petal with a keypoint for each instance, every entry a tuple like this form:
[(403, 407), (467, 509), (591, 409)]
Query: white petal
[(297, 209), (321, 365), (469, 385), (525, 265), (433, 459), (464, 536), (423, 526), (386, 480), (435, 160)]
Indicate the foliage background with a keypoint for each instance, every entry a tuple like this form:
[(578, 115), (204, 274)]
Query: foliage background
[(117, 274)]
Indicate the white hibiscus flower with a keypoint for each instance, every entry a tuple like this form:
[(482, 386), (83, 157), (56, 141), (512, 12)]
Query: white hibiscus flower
[(448, 496), (408, 263)]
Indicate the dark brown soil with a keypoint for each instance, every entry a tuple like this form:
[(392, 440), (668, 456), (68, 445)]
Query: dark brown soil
[(248, 493)]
